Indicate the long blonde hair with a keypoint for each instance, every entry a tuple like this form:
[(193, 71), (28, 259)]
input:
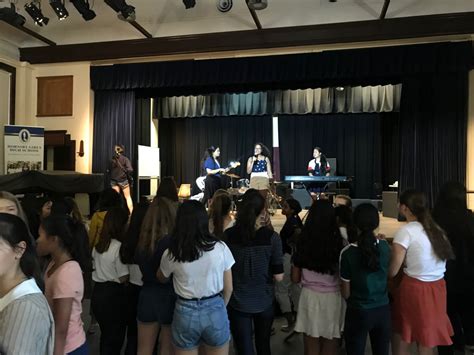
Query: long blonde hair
[(10, 197), (159, 221)]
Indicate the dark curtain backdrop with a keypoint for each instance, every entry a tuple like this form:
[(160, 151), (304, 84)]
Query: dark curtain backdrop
[(114, 122), (390, 136), (184, 140), (433, 126), (353, 139), (433, 111), (142, 137)]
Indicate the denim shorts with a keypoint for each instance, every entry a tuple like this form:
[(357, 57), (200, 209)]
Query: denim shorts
[(156, 305), (123, 184), (196, 322)]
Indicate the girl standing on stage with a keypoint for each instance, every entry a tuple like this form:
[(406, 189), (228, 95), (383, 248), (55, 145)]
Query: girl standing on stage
[(318, 166), (120, 171), (213, 170), (421, 248), (259, 168)]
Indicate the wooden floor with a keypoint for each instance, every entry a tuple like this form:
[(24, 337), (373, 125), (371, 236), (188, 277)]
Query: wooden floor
[(388, 226)]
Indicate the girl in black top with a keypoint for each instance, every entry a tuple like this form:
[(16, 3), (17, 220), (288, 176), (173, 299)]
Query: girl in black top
[(120, 173)]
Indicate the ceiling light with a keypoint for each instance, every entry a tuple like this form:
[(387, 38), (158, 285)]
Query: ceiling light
[(83, 7), (189, 3), (59, 9), (126, 12), (340, 88), (34, 10), (10, 16), (257, 4)]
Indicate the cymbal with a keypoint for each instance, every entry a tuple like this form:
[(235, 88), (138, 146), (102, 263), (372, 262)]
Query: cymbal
[(233, 176)]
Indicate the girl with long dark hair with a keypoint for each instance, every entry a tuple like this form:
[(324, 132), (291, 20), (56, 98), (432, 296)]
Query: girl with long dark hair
[(451, 213), (364, 269), (156, 301), (220, 218), (26, 322), (318, 166), (60, 237), (108, 199), (120, 174), (110, 275), (419, 309), (260, 168), (200, 265), (316, 266), (258, 263), (168, 189), (213, 172), (134, 286)]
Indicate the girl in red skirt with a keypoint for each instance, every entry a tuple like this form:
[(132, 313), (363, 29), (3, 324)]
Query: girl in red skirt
[(419, 308)]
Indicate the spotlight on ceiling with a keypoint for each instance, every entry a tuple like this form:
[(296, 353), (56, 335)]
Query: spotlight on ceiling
[(189, 3), (257, 4), (224, 5), (83, 7), (34, 10), (126, 12), (340, 88), (9, 15), (59, 8)]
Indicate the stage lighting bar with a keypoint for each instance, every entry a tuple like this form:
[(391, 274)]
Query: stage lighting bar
[(125, 12), (59, 8), (34, 10), (189, 3), (83, 7), (10, 16)]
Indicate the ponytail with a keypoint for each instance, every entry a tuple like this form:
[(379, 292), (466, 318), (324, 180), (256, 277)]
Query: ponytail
[(416, 203), (220, 207), (366, 218)]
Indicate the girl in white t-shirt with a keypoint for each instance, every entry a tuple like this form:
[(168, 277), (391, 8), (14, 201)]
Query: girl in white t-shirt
[(200, 265), (419, 309), (109, 301)]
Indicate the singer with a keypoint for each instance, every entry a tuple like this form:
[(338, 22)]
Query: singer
[(259, 168), (318, 166)]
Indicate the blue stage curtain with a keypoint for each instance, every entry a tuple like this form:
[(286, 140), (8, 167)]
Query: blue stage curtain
[(114, 123)]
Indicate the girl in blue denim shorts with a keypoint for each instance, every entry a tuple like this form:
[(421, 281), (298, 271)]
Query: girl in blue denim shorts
[(200, 266)]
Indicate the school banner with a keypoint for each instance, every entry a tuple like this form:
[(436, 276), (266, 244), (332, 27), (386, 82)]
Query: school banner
[(24, 148)]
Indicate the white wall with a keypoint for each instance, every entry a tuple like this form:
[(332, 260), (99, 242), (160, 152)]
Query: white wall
[(79, 125)]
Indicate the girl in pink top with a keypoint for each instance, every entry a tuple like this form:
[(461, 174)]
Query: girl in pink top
[(321, 307), (59, 237)]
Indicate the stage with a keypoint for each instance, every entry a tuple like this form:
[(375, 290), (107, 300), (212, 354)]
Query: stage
[(388, 226)]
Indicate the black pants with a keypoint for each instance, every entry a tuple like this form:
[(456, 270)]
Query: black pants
[(376, 322), (244, 325), (132, 293), (211, 185), (109, 304), (461, 314)]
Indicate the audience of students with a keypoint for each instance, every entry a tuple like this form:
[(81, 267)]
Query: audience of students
[(258, 263), (321, 307), (194, 278), (364, 272)]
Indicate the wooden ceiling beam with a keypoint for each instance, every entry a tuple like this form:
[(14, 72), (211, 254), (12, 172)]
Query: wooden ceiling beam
[(284, 37)]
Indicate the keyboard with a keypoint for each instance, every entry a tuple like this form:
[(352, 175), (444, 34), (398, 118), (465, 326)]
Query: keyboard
[(307, 178)]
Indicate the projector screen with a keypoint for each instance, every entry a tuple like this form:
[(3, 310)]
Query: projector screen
[(148, 161)]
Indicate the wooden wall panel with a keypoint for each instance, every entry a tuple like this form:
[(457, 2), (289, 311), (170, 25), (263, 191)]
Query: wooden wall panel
[(55, 96)]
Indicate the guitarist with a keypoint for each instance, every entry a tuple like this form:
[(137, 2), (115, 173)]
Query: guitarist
[(121, 174)]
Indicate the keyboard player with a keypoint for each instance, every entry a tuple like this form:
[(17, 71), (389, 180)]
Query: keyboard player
[(318, 166)]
